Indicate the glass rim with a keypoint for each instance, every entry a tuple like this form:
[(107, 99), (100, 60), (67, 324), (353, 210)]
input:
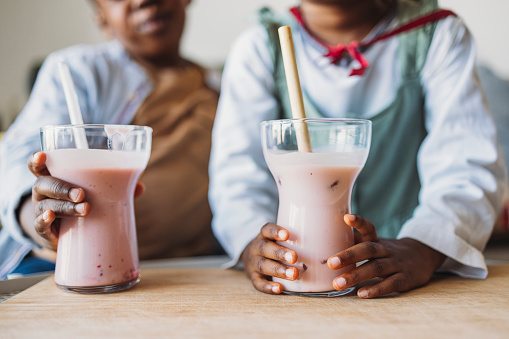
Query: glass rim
[(352, 121), (94, 126)]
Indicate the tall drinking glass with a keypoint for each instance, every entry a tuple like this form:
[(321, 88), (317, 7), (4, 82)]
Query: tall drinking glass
[(314, 192), (98, 253)]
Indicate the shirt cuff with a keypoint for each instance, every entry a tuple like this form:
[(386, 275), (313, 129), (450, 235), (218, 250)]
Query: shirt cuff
[(242, 241), (236, 242), (463, 259)]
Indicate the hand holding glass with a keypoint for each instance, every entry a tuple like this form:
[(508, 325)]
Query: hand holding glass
[(98, 253), (314, 193)]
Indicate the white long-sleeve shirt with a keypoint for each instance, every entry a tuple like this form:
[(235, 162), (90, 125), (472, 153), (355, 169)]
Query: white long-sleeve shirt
[(459, 163)]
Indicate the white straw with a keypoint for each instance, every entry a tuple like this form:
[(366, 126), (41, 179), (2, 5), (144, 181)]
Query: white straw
[(72, 104)]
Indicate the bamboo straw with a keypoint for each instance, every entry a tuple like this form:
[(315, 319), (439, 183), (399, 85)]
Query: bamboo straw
[(294, 89)]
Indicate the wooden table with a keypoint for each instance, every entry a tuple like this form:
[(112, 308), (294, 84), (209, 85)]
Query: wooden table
[(217, 303)]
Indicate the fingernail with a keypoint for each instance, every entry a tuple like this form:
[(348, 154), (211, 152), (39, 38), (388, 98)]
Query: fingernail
[(363, 294), (79, 208), (282, 234), (351, 217), (74, 194), (340, 283), (334, 262), (45, 216), (289, 273), (289, 257), (275, 289)]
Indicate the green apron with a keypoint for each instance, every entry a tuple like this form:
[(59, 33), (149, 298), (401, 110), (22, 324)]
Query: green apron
[(387, 190)]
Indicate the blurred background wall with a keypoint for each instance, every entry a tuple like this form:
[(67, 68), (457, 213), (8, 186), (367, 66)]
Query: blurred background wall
[(30, 29)]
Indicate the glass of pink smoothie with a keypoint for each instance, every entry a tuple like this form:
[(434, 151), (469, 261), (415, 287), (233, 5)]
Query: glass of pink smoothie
[(98, 253), (314, 193)]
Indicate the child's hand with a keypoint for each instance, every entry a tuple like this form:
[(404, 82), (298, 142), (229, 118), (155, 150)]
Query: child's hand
[(260, 259), (53, 198), (401, 264)]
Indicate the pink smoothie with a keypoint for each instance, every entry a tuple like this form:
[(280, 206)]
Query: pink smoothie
[(314, 195), (101, 248)]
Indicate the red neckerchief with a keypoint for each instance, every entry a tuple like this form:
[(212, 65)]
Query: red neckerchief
[(335, 52)]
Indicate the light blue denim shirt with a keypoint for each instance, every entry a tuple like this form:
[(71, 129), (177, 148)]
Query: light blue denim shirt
[(110, 88)]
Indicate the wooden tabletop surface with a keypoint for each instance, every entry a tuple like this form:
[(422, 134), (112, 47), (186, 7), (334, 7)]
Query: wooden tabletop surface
[(219, 303)]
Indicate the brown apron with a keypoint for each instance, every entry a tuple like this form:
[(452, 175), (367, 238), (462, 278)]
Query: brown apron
[(173, 216)]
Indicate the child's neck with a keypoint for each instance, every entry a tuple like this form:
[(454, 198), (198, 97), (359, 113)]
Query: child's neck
[(159, 63), (342, 22)]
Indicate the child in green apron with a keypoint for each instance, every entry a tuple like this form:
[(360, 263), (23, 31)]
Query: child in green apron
[(422, 203)]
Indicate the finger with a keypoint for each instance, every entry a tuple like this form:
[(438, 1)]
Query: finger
[(371, 269), (269, 249), (62, 208), (394, 283), (275, 269), (274, 232), (367, 231), (37, 164), (139, 189), (50, 187), (43, 226), (357, 253), (263, 285)]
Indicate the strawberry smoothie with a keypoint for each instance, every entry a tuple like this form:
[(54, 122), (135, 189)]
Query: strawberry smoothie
[(99, 250), (314, 195)]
